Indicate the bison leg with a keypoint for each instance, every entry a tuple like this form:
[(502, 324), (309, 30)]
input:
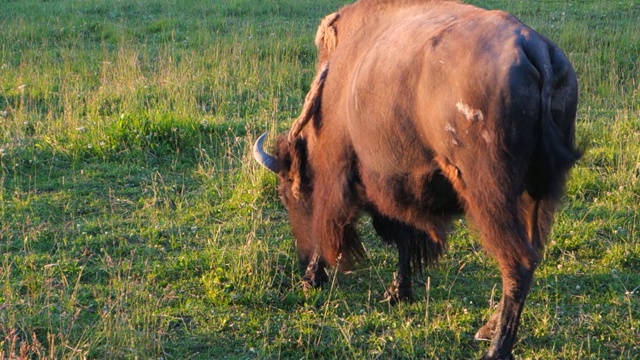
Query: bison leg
[(486, 332), (336, 208), (401, 289), (517, 260), (315, 275), (416, 248), (394, 232), (505, 236), (537, 216), (503, 325)]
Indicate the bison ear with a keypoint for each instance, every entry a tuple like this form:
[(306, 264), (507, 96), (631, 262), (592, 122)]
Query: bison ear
[(327, 35), (292, 164)]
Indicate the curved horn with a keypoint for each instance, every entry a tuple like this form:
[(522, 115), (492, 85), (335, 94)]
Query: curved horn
[(262, 157)]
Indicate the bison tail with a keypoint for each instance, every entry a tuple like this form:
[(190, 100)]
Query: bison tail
[(555, 152), (553, 158)]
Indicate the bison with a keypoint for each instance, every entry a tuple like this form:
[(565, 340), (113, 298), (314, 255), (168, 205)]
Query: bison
[(422, 110)]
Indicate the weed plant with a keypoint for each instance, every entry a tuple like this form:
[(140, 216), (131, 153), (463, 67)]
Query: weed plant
[(134, 223)]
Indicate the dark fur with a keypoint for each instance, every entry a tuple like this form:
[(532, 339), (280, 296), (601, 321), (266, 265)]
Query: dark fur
[(398, 135)]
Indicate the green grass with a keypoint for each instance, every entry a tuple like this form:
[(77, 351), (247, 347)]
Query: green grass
[(134, 223)]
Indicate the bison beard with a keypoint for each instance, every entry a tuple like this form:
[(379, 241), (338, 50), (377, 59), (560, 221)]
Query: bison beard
[(422, 110)]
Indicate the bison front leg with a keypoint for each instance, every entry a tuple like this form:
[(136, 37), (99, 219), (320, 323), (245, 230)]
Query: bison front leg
[(416, 248), (395, 232), (316, 273), (401, 288), (336, 208)]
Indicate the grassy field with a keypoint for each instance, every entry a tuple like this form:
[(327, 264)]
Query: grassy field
[(134, 223)]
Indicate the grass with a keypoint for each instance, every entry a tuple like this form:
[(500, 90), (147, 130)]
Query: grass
[(134, 223)]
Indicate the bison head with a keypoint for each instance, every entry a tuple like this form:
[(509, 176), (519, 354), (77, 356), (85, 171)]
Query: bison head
[(295, 185)]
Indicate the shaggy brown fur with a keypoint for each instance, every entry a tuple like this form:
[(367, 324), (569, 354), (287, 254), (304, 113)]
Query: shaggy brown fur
[(422, 110), (311, 102)]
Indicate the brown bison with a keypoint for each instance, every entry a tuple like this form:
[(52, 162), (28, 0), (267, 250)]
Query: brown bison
[(422, 110)]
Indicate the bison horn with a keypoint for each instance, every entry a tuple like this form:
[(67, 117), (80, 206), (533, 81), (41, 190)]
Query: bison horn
[(262, 157)]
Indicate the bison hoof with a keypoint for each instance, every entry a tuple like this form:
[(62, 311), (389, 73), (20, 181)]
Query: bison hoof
[(489, 357), (312, 282), (314, 279), (395, 295), (486, 332)]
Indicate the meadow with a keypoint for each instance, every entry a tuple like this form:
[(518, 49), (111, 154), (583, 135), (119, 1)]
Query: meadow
[(134, 223)]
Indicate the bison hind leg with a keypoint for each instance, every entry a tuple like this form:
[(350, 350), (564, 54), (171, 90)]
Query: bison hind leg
[(488, 330)]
